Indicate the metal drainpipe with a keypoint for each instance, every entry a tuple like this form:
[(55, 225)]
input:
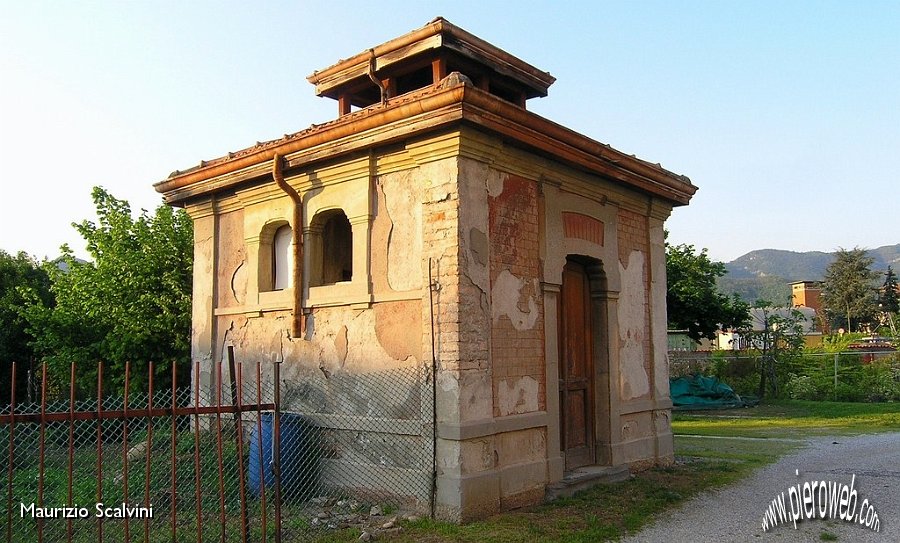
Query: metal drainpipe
[(374, 78), (298, 327)]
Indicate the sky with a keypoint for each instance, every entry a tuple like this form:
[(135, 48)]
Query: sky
[(786, 115)]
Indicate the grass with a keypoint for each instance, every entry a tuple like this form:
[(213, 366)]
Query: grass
[(606, 512), (599, 514), (792, 419), (714, 447), (603, 513), (718, 451)]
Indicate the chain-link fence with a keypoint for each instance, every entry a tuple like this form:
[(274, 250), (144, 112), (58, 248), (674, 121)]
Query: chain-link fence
[(171, 465), (855, 376)]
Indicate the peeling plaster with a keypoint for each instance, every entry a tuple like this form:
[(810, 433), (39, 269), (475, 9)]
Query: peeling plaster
[(465, 279), (447, 382), (518, 397), (464, 395), (281, 336), (633, 377), (340, 344), (380, 235), (505, 297), (473, 224), (478, 243), (658, 316), (310, 326), (494, 183), (398, 328)]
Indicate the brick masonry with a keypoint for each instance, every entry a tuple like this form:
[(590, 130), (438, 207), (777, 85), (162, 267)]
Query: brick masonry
[(514, 248)]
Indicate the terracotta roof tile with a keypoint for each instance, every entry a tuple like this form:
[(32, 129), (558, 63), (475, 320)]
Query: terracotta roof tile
[(312, 129)]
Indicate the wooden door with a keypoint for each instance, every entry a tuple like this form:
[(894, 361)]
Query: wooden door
[(575, 368)]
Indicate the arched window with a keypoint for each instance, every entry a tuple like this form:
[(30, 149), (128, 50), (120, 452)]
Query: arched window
[(333, 261), (282, 258)]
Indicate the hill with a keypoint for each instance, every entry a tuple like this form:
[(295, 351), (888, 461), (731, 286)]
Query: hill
[(766, 273)]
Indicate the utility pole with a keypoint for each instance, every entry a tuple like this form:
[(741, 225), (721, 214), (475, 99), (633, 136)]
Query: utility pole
[(765, 351)]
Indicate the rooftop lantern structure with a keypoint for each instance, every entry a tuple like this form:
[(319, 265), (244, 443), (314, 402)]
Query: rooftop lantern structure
[(422, 59)]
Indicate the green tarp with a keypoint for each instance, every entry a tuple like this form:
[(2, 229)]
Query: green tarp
[(702, 392)]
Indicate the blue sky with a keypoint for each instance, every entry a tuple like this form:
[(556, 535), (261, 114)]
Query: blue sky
[(785, 114)]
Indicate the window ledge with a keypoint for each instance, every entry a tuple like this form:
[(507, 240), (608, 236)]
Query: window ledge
[(278, 298), (343, 293)]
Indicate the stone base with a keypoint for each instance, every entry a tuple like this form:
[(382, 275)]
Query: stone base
[(584, 478)]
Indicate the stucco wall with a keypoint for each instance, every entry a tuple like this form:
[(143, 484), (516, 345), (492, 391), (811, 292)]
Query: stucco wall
[(366, 342), (634, 306), (494, 228)]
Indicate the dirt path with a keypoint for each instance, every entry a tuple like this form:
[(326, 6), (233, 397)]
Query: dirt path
[(735, 513)]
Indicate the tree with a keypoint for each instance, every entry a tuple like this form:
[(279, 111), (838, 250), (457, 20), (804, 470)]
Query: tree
[(21, 278), (888, 298), (131, 303), (694, 303), (778, 335), (849, 289)]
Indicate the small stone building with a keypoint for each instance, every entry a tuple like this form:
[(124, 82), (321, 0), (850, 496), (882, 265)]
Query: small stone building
[(438, 221)]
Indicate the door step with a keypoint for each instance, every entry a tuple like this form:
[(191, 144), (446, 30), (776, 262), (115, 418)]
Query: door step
[(585, 477)]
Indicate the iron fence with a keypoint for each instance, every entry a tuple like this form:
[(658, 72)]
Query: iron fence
[(242, 454)]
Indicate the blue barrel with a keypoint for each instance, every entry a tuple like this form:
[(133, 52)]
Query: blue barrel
[(299, 461)]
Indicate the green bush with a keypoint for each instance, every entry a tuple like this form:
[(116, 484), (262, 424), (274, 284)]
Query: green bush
[(811, 377)]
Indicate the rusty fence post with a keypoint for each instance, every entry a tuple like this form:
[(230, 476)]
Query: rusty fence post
[(100, 447), (236, 404), (276, 451), (12, 457), (125, 446), (259, 444), (69, 490), (197, 489), (219, 452), (149, 452), (174, 470)]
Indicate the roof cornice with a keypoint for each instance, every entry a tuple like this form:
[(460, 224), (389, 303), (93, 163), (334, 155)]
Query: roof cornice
[(416, 113)]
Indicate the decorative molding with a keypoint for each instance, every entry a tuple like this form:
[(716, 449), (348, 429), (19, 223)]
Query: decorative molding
[(580, 226), (488, 427), (554, 288)]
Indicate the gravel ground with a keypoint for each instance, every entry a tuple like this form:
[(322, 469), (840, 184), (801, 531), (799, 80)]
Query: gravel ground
[(734, 514)]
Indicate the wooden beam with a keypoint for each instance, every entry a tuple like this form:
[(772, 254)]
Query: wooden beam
[(438, 69), (390, 86), (343, 104)]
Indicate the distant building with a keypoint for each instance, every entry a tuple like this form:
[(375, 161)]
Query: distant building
[(679, 340), (809, 294)]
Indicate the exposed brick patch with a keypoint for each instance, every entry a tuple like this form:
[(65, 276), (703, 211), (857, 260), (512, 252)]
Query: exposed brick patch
[(514, 247), (440, 240), (576, 225)]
